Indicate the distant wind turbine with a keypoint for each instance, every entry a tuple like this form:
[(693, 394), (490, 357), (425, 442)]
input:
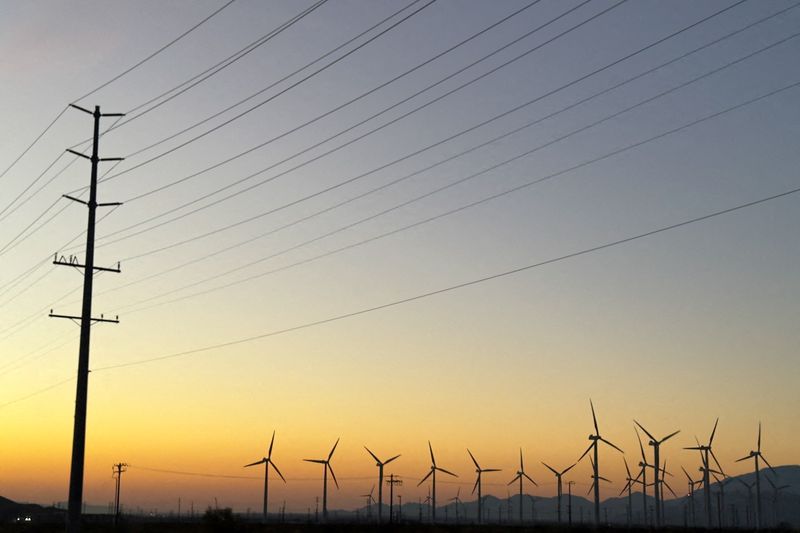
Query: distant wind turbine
[(432, 472), (267, 461), (558, 484), (656, 444), (457, 501), (629, 482), (370, 500), (643, 473), (756, 455), (380, 464), (705, 450), (595, 438), (477, 485), (327, 468), (520, 475), (775, 493), (692, 484)]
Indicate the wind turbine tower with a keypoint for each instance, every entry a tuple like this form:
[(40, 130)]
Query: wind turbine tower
[(432, 474), (595, 439), (756, 455), (380, 464), (326, 468), (520, 475), (267, 461), (656, 444), (705, 450), (558, 484), (477, 485)]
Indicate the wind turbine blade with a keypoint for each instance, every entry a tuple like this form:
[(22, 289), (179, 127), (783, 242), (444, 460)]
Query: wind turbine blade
[(568, 468), (693, 448), (594, 443), (271, 442), (521, 466), (670, 489), (254, 464), (612, 445), (604, 479), (387, 461), (594, 418), (745, 458), (767, 463), (426, 477), (669, 436), (473, 459), (645, 431), (330, 469), (759, 437), (687, 474), (715, 460), (475, 486), (446, 471), (371, 490), (628, 484), (318, 461), (713, 431), (641, 448), (491, 470), (278, 471), (373, 455), (553, 470), (591, 487), (433, 461), (529, 478), (628, 470), (515, 479), (335, 444)]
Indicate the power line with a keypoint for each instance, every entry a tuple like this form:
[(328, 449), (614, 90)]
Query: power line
[(444, 214), (451, 288), (151, 56), (496, 117), (416, 109), (292, 86), (38, 137), (337, 108)]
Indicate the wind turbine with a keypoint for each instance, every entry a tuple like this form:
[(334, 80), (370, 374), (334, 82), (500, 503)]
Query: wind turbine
[(692, 484), (370, 499), (660, 487), (776, 489), (656, 444), (629, 486), (705, 450), (756, 455), (558, 480), (380, 465), (432, 472), (457, 501), (477, 485), (643, 472), (327, 468), (749, 487), (595, 438), (520, 475), (267, 461)]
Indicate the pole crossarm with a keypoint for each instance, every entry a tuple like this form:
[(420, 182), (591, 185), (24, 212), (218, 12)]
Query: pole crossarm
[(73, 262), (94, 320)]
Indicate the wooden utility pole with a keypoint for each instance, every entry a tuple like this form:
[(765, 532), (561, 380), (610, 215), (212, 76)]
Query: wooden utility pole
[(86, 321), (117, 470)]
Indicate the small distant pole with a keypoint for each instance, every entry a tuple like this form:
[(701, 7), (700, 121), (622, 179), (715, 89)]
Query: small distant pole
[(316, 510), (392, 481), (399, 508), (569, 503), (179, 509), (117, 470)]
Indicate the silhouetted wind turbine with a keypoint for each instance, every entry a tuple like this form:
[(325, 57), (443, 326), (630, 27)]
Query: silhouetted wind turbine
[(267, 461), (756, 455), (520, 475), (629, 486), (558, 484), (705, 450), (656, 444), (660, 487), (477, 485), (595, 438), (327, 468), (776, 490), (380, 465), (692, 484), (457, 501), (432, 472), (643, 473), (370, 500)]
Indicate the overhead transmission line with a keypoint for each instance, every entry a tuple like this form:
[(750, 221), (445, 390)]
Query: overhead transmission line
[(249, 219), (324, 154), (320, 58), (283, 91), (450, 212), (451, 288), (61, 113)]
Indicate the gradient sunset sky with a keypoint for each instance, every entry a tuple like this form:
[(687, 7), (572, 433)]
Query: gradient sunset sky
[(674, 329)]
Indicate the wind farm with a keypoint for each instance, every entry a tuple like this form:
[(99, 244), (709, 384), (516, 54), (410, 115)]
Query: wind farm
[(334, 233)]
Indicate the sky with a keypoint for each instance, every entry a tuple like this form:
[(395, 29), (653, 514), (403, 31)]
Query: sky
[(232, 265)]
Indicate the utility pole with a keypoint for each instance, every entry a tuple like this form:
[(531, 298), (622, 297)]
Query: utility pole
[(117, 470), (392, 481), (569, 502), (86, 321), (399, 508)]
